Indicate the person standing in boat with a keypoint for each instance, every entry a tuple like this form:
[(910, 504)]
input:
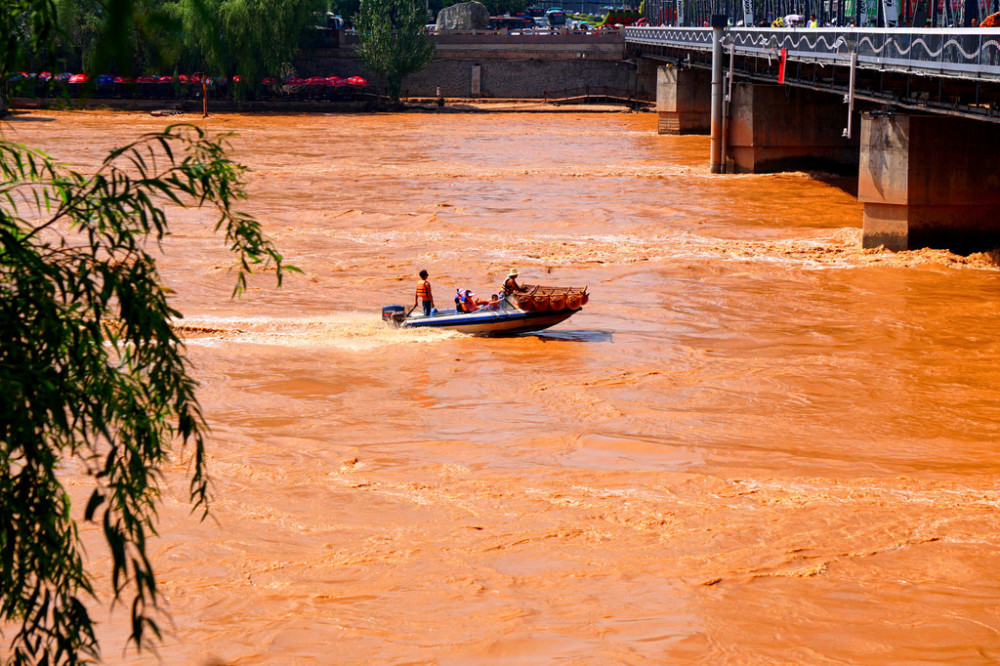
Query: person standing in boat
[(510, 285), (424, 294)]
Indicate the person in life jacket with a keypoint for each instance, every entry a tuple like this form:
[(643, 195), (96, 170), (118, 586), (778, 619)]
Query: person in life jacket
[(424, 294), (464, 301), (510, 285)]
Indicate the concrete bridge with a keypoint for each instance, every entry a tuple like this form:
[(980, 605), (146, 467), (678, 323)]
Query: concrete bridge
[(915, 113)]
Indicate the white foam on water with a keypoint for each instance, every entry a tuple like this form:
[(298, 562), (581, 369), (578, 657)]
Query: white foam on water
[(355, 331)]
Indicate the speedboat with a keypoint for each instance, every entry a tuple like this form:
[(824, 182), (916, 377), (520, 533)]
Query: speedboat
[(534, 309)]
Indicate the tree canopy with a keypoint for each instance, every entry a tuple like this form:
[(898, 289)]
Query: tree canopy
[(251, 38), (393, 41), (91, 373)]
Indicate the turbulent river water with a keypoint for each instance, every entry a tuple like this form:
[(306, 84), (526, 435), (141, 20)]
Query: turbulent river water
[(758, 443)]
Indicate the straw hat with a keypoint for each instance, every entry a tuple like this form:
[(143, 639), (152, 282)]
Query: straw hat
[(513, 273)]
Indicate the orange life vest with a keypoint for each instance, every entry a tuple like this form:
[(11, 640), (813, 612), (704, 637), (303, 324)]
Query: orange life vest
[(466, 304), (424, 290)]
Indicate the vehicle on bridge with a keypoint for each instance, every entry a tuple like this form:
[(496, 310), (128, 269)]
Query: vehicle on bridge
[(555, 18), (510, 23)]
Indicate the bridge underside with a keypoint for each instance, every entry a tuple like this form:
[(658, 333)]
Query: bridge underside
[(775, 128), (926, 149), (930, 181), (925, 180)]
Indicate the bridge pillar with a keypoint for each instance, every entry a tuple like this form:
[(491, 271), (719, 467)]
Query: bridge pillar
[(782, 128), (930, 181), (683, 100)]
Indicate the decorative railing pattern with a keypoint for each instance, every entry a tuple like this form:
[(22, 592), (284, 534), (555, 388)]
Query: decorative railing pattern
[(967, 53)]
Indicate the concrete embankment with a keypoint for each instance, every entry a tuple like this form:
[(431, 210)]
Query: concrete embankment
[(473, 72), (412, 104), (502, 66)]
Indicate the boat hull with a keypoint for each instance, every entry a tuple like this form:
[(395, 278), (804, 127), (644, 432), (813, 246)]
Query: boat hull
[(505, 322)]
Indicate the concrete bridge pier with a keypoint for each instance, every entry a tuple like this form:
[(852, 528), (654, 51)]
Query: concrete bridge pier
[(683, 100), (930, 181), (782, 128)]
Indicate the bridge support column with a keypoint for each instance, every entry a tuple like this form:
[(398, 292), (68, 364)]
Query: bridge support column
[(930, 181), (683, 100), (781, 128)]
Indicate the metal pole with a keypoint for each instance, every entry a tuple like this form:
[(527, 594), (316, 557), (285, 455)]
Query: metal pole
[(850, 95), (728, 101), (718, 27)]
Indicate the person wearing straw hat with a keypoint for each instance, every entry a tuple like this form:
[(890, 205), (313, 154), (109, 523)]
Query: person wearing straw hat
[(510, 285)]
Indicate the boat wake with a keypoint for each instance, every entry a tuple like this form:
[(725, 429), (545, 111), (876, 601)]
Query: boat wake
[(356, 331)]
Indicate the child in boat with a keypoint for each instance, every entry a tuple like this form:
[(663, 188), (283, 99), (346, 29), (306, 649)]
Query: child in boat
[(465, 302)]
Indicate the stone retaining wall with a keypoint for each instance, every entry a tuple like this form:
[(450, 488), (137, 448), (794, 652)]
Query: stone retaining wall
[(515, 73)]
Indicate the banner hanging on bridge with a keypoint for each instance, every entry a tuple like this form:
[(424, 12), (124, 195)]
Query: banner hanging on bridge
[(748, 13), (680, 12), (869, 13), (890, 10)]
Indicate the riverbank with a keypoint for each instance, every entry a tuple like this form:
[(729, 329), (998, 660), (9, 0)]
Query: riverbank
[(370, 105)]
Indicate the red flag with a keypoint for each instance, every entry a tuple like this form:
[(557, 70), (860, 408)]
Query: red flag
[(781, 66)]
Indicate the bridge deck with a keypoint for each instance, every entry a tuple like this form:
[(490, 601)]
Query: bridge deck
[(953, 72), (965, 53)]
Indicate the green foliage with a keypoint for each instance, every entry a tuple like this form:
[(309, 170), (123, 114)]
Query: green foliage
[(393, 41), (345, 8), (26, 28), (251, 38), (92, 375), (120, 36)]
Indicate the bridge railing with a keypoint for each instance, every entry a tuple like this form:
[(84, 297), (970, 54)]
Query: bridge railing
[(964, 53)]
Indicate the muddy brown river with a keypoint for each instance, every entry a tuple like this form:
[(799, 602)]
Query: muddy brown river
[(757, 443)]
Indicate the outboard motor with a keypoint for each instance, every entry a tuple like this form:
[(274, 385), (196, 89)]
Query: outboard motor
[(393, 315)]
